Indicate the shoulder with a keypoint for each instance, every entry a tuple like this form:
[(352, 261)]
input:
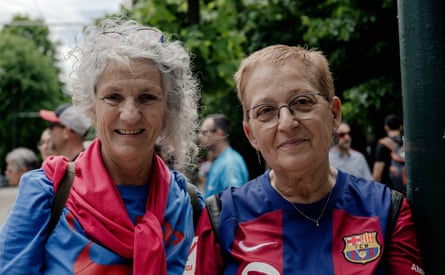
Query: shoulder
[(356, 154), (179, 188), (178, 181), (32, 208), (232, 154), (251, 195), (367, 194), (36, 181)]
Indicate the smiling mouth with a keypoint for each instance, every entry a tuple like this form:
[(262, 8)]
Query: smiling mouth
[(129, 132), (293, 142)]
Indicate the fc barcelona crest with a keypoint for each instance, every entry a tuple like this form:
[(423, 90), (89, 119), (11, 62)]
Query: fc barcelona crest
[(362, 248)]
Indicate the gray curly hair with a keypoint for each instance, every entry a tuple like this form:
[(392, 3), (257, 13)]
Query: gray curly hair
[(123, 40)]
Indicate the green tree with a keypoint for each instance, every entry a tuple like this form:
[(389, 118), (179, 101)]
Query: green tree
[(29, 81), (34, 30), (360, 39), (216, 46)]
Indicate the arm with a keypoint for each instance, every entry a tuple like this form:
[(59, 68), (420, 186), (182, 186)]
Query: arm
[(377, 170), (403, 253), (22, 238), (381, 155), (178, 225)]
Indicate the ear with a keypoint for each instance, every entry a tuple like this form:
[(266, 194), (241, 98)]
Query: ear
[(336, 113), (249, 135), (66, 132)]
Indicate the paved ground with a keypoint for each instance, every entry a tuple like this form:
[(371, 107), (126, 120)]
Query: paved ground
[(7, 198)]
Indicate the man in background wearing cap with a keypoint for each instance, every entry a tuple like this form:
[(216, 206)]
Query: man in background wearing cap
[(68, 129)]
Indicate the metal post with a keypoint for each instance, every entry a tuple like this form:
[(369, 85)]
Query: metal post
[(422, 55)]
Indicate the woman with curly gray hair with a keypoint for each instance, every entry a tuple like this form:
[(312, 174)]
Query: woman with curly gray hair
[(127, 212)]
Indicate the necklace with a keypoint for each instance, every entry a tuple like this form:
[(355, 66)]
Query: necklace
[(316, 221)]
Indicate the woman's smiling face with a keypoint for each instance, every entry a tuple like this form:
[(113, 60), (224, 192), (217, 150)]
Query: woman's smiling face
[(297, 140), (129, 111)]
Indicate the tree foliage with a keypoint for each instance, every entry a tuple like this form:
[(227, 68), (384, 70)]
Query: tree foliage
[(29, 81), (359, 37)]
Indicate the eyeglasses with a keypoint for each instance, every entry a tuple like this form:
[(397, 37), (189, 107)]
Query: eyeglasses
[(206, 132), (342, 134), (52, 125), (268, 114)]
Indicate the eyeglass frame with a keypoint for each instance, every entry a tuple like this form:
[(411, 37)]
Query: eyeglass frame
[(205, 132), (279, 107)]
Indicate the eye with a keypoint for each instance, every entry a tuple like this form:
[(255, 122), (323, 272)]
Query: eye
[(264, 112), (147, 98), (113, 99), (302, 103)]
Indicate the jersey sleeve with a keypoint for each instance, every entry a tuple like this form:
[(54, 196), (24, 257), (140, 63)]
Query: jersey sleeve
[(178, 224), (23, 235), (403, 255), (205, 255)]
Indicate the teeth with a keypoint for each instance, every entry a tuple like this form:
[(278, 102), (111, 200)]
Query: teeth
[(130, 132)]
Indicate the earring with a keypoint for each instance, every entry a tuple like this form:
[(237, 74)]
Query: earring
[(335, 138), (258, 156)]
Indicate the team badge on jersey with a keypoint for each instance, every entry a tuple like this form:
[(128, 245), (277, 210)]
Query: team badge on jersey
[(362, 248)]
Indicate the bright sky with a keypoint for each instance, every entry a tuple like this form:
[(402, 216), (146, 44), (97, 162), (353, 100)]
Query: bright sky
[(66, 18)]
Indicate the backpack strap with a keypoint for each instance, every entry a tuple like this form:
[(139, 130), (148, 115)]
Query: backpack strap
[(60, 198), (195, 203), (213, 204), (396, 204)]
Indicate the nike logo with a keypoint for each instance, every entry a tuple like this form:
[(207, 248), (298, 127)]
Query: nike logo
[(246, 248)]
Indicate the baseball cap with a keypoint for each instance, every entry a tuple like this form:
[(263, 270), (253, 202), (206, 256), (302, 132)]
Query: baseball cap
[(68, 116)]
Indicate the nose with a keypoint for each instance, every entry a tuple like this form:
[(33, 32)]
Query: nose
[(284, 106), (285, 119), (129, 111)]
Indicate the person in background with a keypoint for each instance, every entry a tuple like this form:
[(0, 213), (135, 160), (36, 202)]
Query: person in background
[(228, 167), (19, 161), (68, 129), (393, 127), (203, 171), (127, 212), (302, 216), (346, 159), (44, 145)]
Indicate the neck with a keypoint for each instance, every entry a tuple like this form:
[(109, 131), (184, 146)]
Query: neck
[(304, 190), (219, 148), (73, 151), (127, 173), (394, 133), (343, 151)]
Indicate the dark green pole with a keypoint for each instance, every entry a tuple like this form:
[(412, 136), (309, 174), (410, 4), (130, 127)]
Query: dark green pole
[(422, 55)]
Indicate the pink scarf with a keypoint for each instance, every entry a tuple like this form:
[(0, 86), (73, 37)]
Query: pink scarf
[(96, 203)]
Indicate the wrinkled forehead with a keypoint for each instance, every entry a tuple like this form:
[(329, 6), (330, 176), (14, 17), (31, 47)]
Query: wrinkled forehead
[(286, 75), (343, 128)]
